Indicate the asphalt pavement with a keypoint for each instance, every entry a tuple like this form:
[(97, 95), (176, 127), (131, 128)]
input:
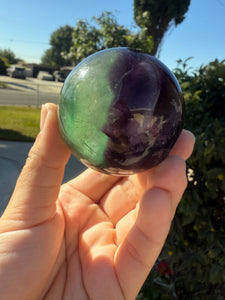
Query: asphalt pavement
[(31, 91), (28, 98), (13, 156)]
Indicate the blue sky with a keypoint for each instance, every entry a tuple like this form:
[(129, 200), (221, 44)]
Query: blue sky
[(26, 26)]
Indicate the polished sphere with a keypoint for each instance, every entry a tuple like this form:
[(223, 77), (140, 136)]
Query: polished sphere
[(121, 111)]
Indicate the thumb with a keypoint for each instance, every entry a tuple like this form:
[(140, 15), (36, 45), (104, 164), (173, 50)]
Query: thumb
[(34, 198)]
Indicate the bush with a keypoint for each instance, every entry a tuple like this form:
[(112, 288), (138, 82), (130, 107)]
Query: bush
[(194, 255), (2, 67)]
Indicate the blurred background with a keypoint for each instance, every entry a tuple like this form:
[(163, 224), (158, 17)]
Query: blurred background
[(41, 42), (189, 28)]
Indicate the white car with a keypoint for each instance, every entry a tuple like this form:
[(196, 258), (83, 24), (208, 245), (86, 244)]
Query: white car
[(45, 76)]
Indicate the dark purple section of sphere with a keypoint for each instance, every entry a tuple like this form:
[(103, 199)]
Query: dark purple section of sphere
[(146, 115)]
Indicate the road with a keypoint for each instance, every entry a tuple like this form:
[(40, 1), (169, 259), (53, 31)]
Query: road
[(12, 97), (31, 91)]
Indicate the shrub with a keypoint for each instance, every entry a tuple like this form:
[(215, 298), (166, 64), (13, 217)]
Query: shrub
[(195, 249), (2, 67)]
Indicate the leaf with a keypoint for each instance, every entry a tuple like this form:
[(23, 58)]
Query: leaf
[(215, 173), (215, 274), (213, 253)]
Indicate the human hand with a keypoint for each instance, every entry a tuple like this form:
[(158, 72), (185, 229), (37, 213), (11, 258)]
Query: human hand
[(95, 237)]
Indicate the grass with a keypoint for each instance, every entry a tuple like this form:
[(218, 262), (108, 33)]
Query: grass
[(19, 123), (3, 85)]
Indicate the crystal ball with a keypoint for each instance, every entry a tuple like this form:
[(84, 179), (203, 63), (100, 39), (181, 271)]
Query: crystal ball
[(121, 111)]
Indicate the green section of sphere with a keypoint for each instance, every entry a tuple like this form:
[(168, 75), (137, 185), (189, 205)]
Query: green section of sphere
[(83, 108)]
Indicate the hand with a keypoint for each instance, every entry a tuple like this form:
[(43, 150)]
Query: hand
[(95, 237)]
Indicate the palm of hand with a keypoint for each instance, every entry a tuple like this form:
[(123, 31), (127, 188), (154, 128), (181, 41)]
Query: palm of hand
[(99, 241), (96, 217), (105, 249)]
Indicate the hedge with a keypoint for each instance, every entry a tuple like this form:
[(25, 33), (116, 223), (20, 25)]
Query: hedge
[(2, 67), (192, 263)]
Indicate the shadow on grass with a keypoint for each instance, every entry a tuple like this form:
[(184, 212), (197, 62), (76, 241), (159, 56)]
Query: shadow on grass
[(12, 135)]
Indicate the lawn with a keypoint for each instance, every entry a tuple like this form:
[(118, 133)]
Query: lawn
[(3, 85), (19, 123)]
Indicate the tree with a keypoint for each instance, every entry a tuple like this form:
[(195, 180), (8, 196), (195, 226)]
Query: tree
[(8, 57), (71, 45), (60, 41), (47, 58), (105, 32), (2, 67), (86, 40), (112, 34), (158, 16)]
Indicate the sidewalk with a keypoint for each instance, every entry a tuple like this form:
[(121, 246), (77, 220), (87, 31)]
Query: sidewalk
[(12, 159)]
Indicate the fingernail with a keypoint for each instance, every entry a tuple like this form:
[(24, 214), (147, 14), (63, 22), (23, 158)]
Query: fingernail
[(44, 112)]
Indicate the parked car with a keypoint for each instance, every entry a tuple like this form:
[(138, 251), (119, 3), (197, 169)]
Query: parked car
[(45, 76), (59, 76), (16, 72)]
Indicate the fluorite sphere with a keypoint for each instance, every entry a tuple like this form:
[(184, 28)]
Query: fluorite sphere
[(121, 111)]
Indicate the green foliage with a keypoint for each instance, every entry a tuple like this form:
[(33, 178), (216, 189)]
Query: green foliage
[(105, 32), (47, 58), (8, 57), (71, 45), (157, 16), (195, 248), (61, 42), (85, 40), (2, 67), (154, 17)]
